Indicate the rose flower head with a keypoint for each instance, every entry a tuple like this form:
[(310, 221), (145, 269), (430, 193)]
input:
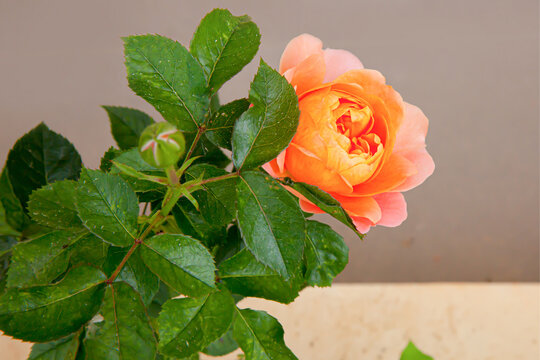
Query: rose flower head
[(356, 139)]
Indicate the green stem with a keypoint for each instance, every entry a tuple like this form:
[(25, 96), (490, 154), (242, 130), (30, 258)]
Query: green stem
[(217, 178), (131, 250), (200, 131)]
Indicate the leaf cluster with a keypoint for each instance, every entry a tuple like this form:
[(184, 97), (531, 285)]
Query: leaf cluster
[(133, 262)]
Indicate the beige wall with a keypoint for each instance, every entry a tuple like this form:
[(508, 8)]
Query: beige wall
[(472, 66)]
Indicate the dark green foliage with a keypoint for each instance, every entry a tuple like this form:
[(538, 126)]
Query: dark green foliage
[(165, 74), (124, 331), (263, 131), (41, 260), (260, 336), (134, 272), (44, 313), (38, 158), (127, 125), (244, 275), (189, 325), (219, 128), (108, 207), (326, 254), (181, 262), (53, 206), (325, 202), (135, 262), (224, 44), (271, 222), (65, 348)]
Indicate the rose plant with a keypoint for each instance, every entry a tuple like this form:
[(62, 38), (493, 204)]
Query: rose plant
[(148, 256)]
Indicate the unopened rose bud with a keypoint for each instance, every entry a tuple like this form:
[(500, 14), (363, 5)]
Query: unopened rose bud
[(161, 145)]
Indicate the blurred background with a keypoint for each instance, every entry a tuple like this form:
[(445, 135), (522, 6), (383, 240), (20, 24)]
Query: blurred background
[(472, 66)]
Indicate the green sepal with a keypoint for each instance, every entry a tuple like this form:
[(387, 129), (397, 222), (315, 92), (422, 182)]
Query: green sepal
[(217, 200)]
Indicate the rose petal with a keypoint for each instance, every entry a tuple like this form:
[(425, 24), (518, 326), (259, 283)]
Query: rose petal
[(424, 165), (305, 167), (362, 224), (339, 62), (298, 49), (394, 209), (365, 207), (413, 129), (309, 207), (308, 74), (394, 172)]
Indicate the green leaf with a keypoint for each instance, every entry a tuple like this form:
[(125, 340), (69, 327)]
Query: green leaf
[(40, 157), (107, 158), (219, 128), (192, 223), (65, 348), (5, 228), (188, 325), (326, 254), (325, 202), (45, 313), (54, 205), (88, 250), (224, 44), (271, 222), (217, 200), (147, 190), (166, 75), (134, 273), (127, 125), (125, 331), (260, 336), (232, 244), (412, 353), (14, 212), (244, 275), (263, 131), (41, 260), (108, 207), (222, 346), (181, 262)]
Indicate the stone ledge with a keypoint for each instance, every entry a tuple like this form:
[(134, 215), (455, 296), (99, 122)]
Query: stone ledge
[(449, 321)]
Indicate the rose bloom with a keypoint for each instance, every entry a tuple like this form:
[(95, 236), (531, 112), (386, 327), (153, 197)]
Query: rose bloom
[(356, 139)]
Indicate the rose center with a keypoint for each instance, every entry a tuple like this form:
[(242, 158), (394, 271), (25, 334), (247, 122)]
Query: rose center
[(356, 121)]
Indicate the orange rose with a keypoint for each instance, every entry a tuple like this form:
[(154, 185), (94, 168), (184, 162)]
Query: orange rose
[(356, 139)]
